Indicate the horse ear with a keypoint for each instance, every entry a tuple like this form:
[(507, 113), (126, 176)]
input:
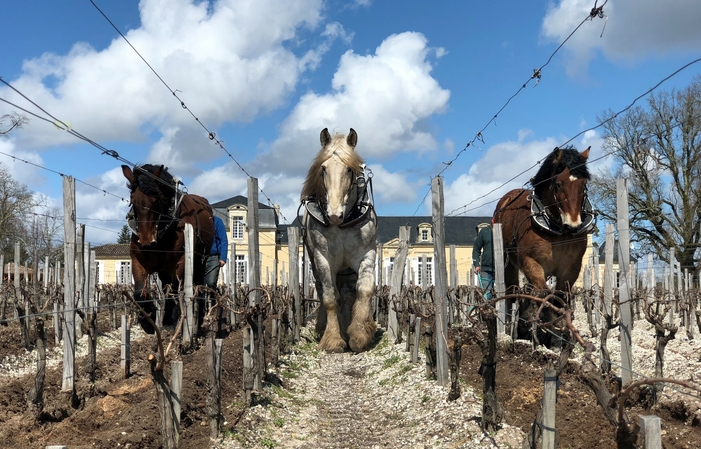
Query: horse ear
[(128, 173), (585, 153), (325, 137), (157, 172), (352, 138), (557, 155)]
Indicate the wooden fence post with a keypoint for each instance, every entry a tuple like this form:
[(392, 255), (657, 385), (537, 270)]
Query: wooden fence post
[(189, 325), (214, 355), (396, 285), (254, 279), (549, 401), (417, 340), (295, 307), (624, 284), (651, 431), (441, 283), (69, 237), (125, 356), (499, 282)]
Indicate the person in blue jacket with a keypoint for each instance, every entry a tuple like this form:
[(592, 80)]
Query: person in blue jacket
[(217, 254)]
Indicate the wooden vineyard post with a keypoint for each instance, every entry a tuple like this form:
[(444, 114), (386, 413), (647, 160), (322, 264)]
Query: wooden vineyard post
[(651, 431), (499, 282), (417, 340), (549, 400), (69, 283), (295, 307), (176, 389), (624, 284), (189, 325), (441, 281), (214, 360), (396, 282), (247, 366), (125, 357), (258, 352)]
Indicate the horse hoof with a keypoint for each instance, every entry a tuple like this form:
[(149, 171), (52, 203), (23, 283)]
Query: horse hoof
[(334, 346), (361, 336)]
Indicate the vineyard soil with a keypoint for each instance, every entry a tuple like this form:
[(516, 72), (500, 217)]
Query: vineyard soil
[(116, 412)]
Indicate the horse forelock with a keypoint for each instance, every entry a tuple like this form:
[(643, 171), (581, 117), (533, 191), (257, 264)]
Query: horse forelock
[(314, 183), (556, 162), (144, 180)]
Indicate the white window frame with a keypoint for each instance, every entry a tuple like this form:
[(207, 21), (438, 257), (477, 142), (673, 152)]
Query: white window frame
[(238, 228)]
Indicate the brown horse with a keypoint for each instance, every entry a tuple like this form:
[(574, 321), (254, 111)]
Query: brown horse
[(157, 218), (545, 229)]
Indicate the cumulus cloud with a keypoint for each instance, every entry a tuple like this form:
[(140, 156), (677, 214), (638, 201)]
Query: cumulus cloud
[(383, 96), (227, 61), (634, 29)]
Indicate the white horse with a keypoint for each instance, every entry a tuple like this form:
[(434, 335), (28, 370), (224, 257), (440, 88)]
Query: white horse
[(340, 234)]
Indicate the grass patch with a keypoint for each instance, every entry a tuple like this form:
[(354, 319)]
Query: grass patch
[(388, 363)]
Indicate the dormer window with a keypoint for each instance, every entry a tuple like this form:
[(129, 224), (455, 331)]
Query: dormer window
[(425, 234)]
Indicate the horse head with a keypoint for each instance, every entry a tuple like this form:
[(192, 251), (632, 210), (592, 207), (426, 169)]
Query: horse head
[(152, 189), (561, 185), (331, 180)]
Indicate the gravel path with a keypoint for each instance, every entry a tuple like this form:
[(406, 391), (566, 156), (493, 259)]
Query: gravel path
[(376, 399)]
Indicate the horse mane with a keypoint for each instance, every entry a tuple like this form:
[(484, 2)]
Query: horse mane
[(314, 183), (556, 162), (145, 180)]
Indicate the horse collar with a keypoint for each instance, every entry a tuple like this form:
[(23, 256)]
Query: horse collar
[(543, 221), (356, 215)]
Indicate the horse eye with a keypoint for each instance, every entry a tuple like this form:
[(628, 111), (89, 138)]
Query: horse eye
[(558, 185)]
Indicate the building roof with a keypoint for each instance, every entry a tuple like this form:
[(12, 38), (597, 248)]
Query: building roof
[(238, 199), (458, 230), (112, 250)]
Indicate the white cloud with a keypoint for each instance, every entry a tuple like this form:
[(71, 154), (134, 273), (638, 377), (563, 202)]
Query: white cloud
[(632, 30), (228, 61), (384, 97), (392, 188), (27, 174)]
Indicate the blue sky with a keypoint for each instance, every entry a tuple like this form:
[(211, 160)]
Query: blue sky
[(416, 80)]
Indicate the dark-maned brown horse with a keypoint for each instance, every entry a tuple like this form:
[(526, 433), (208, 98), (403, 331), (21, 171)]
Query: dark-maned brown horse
[(545, 229), (157, 218)]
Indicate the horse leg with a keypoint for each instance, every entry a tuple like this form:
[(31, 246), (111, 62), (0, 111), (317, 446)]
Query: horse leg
[(331, 340), (142, 298), (536, 277), (362, 328)]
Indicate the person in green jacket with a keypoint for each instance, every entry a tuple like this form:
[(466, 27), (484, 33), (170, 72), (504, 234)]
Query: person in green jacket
[(483, 258)]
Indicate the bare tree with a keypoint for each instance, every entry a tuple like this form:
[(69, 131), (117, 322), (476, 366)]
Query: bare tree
[(11, 121), (658, 149), (16, 202), (45, 230)]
